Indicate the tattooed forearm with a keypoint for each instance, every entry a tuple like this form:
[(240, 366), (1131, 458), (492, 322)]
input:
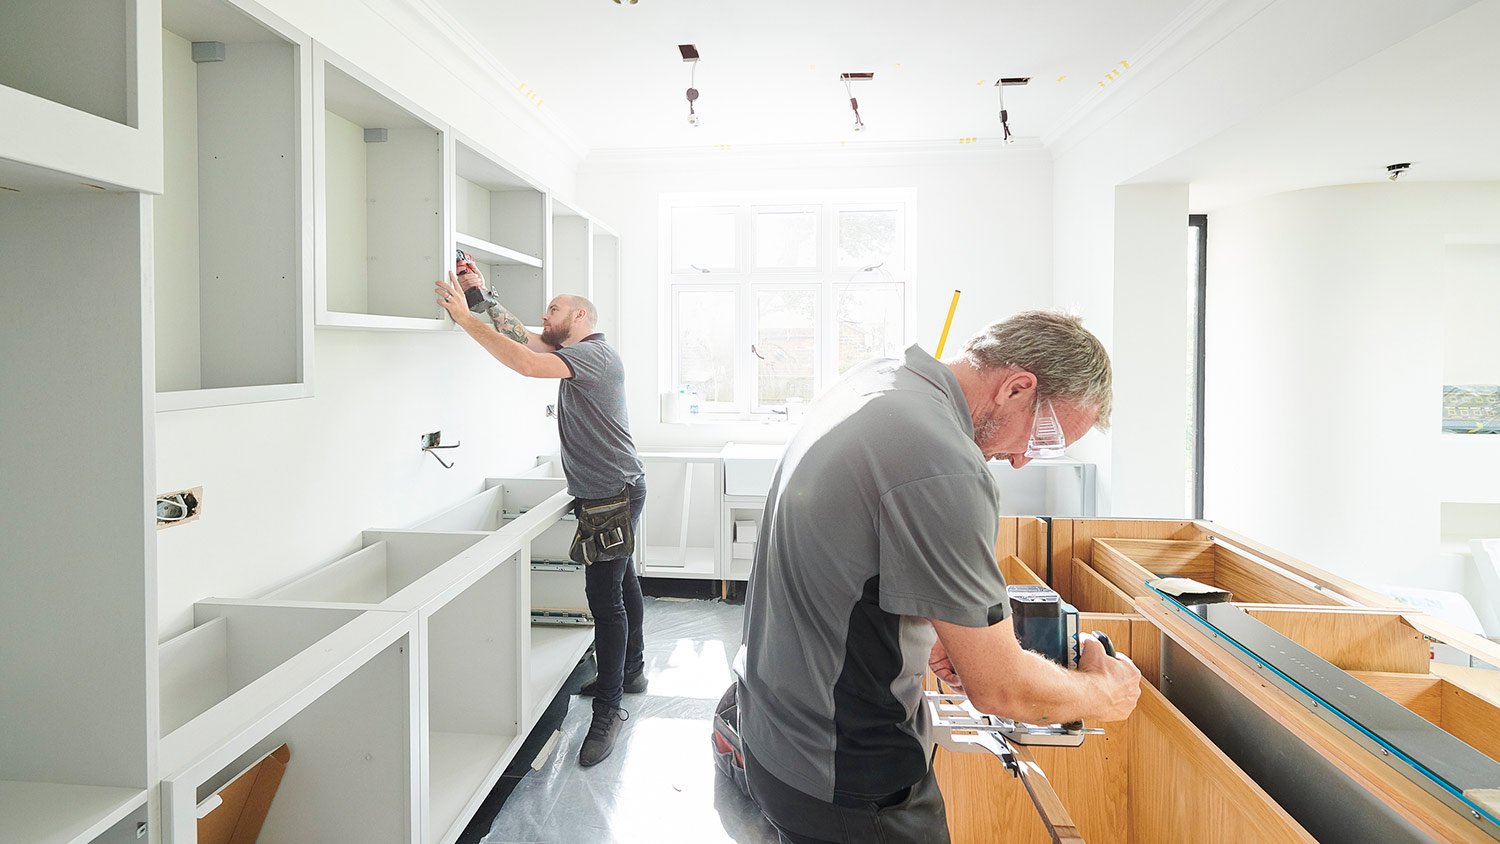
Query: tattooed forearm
[(507, 324)]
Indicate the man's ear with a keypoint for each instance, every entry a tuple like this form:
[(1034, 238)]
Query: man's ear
[(1015, 384)]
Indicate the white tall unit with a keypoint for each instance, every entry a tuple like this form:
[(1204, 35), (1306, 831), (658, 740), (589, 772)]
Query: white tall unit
[(78, 585)]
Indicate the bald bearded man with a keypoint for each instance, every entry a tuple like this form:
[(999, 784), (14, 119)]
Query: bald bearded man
[(599, 461)]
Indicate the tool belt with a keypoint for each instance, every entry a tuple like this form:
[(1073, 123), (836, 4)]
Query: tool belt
[(604, 529)]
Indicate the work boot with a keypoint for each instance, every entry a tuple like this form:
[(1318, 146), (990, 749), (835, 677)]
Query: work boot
[(603, 731), (634, 685)]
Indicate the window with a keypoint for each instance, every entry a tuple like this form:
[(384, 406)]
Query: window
[(771, 301), (1198, 331)]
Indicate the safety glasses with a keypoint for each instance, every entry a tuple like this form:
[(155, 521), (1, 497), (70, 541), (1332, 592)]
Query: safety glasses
[(1047, 440)]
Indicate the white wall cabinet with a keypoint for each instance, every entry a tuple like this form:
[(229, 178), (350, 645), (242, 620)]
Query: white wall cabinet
[(233, 229), (500, 218), (605, 283), (80, 88), (381, 202)]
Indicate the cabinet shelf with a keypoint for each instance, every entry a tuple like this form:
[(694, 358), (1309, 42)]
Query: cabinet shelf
[(493, 253), (48, 813), (464, 767), (555, 650)]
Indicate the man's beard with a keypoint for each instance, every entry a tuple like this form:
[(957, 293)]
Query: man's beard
[(984, 431), (553, 337)]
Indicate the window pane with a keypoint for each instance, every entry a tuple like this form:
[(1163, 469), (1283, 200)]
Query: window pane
[(705, 343), (867, 238), (703, 238), (869, 322), (785, 345), (786, 239)]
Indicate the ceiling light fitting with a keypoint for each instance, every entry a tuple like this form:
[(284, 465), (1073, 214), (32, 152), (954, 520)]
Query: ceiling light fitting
[(1000, 86), (1397, 169), (849, 80), (690, 55)]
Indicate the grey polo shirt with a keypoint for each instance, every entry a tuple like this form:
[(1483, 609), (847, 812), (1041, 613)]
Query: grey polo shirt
[(598, 455), (881, 515)]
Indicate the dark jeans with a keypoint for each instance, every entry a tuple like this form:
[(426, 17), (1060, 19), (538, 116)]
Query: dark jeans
[(614, 596), (914, 814)]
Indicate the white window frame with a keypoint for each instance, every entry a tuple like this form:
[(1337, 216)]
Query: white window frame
[(746, 277)]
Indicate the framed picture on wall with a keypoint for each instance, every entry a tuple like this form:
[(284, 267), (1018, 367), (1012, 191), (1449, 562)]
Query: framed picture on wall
[(1471, 409)]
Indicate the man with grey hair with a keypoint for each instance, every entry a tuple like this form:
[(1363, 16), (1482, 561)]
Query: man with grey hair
[(599, 461), (876, 562)]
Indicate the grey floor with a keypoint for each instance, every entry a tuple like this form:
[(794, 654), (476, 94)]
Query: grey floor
[(660, 784)]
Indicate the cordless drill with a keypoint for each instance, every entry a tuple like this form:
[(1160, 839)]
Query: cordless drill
[(479, 297)]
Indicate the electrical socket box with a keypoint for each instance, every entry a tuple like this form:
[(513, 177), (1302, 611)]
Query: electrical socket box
[(179, 507)]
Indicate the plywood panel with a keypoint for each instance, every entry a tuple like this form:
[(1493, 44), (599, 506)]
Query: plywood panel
[(1185, 789), (1145, 650), (1031, 543), (1354, 592), (1006, 542), (1354, 641), (986, 804), (1178, 558), (1249, 580), (1120, 570), (1074, 537), (1471, 719), (1017, 573), (1060, 568), (1421, 693), (1092, 593)]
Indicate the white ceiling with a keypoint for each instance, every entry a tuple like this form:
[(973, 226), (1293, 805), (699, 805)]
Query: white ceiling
[(1430, 100), (611, 74)]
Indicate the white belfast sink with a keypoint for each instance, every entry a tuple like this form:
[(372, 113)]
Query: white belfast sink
[(748, 467)]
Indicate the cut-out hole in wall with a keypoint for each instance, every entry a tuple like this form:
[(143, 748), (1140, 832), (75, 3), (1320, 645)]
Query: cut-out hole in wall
[(180, 507)]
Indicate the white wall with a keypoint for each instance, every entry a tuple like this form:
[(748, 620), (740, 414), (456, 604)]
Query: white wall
[(1471, 343), (983, 223), (1326, 321), (290, 485), (1190, 89), (1153, 325)]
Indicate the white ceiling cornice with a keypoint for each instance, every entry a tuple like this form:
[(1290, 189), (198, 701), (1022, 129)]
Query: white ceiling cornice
[(443, 25), (861, 154), (1184, 39)]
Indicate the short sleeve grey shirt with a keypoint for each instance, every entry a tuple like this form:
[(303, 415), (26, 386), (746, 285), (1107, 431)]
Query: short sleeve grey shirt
[(881, 515), (598, 455)]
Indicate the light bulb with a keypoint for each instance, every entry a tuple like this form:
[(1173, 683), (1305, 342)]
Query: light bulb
[(692, 120)]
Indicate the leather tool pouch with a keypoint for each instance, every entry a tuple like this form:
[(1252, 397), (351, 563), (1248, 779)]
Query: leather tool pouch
[(604, 531)]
